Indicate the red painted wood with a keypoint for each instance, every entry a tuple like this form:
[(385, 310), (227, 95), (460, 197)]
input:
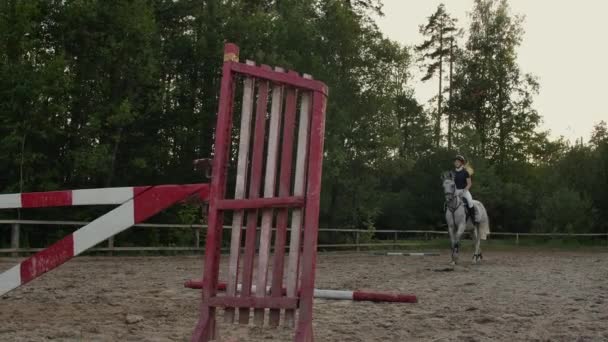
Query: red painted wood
[(284, 191), (311, 217), (48, 259), (140, 189), (261, 203), (205, 328), (158, 198), (289, 79), (383, 297), (46, 199), (254, 302), (257, 160), (203, 193)]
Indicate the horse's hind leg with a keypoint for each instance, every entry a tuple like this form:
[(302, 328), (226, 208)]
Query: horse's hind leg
[(477, 242)]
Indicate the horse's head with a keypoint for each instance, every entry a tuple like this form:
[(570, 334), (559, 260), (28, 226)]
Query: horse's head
[(449, 187)]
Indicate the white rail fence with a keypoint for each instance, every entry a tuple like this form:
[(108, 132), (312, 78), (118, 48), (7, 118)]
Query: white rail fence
[(381, 238)]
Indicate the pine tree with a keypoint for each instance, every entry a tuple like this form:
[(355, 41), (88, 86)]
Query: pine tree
[(492, 94), (440, 31)]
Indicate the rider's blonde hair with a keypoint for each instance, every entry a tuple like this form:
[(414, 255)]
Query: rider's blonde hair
[(469, 168)]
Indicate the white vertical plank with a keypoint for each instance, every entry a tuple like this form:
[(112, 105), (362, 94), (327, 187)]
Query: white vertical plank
[(269, 191), (240, 188), (296, 216)]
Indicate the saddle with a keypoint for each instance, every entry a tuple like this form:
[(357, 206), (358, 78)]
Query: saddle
[(468, 211)]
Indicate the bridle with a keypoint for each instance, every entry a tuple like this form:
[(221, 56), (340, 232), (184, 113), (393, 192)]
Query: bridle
[(453, 198)]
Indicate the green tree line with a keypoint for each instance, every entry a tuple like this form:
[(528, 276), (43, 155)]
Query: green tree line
[(112, 93)]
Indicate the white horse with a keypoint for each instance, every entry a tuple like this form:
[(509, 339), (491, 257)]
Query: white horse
[(458, 222)]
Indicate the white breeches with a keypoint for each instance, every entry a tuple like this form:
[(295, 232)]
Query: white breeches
[(466, 194)]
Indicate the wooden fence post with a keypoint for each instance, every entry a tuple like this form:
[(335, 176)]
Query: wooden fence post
[(111, 246), (15, 239), (395, 240), (357, 239), (517, 239), (197, 237)]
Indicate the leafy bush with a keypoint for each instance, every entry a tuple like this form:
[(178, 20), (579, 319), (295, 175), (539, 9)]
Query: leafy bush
[(564, 211)]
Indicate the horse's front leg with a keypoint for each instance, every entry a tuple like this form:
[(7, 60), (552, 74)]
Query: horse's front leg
[(453, 242), (477, 242), (452, 231), (456, 242)]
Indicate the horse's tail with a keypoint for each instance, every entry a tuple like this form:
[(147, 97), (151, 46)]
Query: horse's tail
[(484, 225), (484, 229)]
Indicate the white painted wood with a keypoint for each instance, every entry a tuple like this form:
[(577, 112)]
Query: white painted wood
[(104, 227), (102, 196), (10, 279), (276, 112), (333, 294), (240, 187), (9, 201)]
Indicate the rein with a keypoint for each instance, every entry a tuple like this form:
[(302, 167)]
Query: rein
[(453, 209), (454, 198)]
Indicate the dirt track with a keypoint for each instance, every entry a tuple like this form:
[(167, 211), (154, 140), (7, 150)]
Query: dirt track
[(513, 296)]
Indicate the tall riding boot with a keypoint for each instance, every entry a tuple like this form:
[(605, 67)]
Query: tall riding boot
[(474, 215)]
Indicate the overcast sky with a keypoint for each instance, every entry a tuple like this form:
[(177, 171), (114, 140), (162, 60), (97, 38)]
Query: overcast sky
[(564, 46)]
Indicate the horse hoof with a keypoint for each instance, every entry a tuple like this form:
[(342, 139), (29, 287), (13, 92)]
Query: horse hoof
[(452, 263)]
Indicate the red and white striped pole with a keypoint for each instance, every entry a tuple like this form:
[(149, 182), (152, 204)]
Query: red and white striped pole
[(357, 296), (66, 198), (407, 253)]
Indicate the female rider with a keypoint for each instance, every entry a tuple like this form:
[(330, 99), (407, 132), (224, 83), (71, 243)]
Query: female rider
[(462, 178)]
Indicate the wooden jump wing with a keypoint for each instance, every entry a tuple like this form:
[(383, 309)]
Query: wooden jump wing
[(277, 186)]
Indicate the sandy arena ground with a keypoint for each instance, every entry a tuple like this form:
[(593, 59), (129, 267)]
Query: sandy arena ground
[(519, 295)]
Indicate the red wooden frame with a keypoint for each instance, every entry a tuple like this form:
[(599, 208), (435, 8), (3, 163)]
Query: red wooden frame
[(291, 78), (261, 203), (295, 86)]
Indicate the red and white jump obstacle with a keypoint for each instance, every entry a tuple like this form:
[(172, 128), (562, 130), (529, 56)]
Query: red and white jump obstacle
[(357, 295), (136, 205)]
